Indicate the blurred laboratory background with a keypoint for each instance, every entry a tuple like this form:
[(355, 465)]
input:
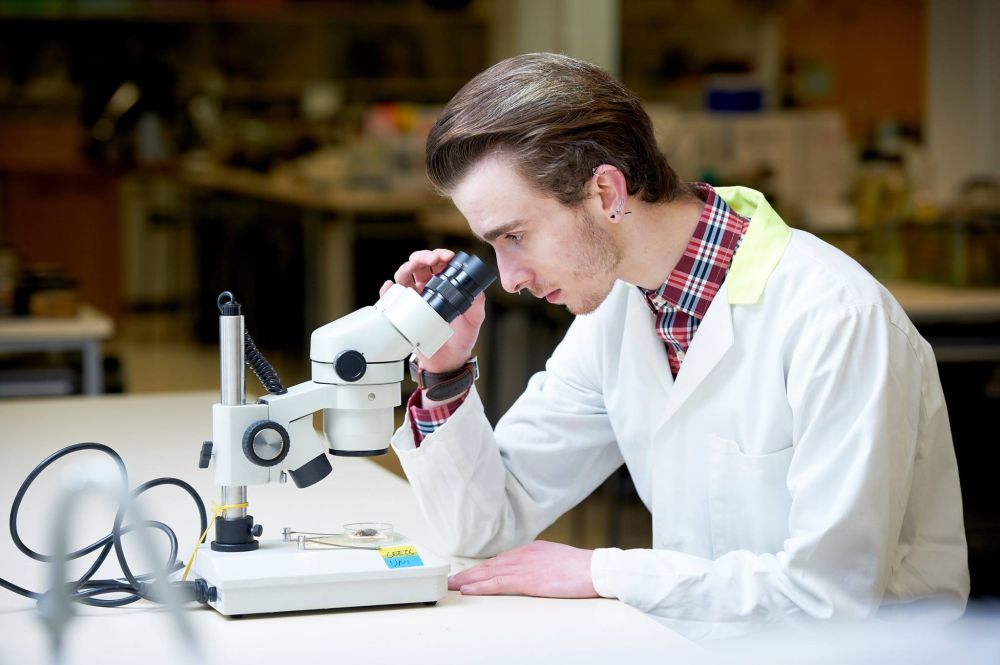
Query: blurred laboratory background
[(155, 152)]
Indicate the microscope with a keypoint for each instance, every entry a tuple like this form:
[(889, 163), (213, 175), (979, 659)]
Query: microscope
[(357, 365)]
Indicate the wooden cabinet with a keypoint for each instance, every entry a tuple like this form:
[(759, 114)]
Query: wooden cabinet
[(55, 209)]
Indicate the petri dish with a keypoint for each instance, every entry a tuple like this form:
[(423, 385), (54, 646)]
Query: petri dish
[(368, 532)]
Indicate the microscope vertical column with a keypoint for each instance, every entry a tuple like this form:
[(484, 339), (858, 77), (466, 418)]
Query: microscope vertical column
[(233, 529)]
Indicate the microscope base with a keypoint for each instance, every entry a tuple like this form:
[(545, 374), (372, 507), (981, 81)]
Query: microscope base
[(280, 577)]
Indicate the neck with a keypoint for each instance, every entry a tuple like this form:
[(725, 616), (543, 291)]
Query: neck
[(654, 237)]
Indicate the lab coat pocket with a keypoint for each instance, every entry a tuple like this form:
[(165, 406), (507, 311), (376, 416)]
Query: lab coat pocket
[(748, 498)]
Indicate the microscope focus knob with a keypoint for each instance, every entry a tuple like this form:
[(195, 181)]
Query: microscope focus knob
[(265, 443), (350, 365)]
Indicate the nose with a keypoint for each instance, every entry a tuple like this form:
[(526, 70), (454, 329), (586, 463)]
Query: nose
[(513, 277)]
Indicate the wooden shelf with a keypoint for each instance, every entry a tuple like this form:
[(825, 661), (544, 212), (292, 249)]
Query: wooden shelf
[(290, 191)]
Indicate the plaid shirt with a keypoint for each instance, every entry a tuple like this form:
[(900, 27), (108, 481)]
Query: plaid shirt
[(425, 421), (679, 303)]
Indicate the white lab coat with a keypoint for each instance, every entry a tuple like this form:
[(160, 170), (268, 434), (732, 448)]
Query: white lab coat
[(799, 466)]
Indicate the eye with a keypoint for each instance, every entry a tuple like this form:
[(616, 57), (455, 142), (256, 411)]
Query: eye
[(514, 237)]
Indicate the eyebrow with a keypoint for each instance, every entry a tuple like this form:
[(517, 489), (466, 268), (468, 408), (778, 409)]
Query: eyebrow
[(495, 233)]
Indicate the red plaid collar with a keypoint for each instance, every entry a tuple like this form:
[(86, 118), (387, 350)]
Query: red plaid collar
[(699, 274)]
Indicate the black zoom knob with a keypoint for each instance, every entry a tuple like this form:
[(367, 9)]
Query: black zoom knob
[(265, 443), (350, 365)]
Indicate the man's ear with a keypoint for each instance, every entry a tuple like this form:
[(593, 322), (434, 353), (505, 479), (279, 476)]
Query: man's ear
[(611, 190)]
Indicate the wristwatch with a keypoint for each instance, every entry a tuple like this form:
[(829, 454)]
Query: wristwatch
[(445, 385)]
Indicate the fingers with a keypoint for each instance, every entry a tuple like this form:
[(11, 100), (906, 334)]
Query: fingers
[(385, 287), (476, 313), (494, 586), (441, 255), (541, 568), (498, 566), (421, 266), (486, 579), (477, 573)]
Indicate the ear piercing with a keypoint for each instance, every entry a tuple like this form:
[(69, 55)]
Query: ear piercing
[(619, 204), (618, 210)]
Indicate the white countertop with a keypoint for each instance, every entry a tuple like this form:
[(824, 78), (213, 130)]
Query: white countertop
[(161, 435), (938, 303)]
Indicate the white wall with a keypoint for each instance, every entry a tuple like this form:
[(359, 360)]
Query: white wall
[(963, 92), (585, 29)]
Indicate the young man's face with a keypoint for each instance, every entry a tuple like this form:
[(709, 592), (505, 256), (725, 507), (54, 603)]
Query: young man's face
[(565, 255)]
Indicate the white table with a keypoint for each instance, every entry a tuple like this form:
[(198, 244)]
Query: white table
[(933, 303), (82, 333), (161, 435), (965, 315)]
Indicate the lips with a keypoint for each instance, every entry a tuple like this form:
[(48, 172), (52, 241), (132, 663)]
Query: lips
[(553, 297)]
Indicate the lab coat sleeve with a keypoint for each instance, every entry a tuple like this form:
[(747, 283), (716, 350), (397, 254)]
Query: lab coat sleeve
[(855, 385), (487, 491)]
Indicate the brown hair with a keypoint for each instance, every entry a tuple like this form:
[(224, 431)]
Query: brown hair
[(557, 118)]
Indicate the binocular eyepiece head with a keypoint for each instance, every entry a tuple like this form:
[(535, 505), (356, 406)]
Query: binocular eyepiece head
[(452, 291)]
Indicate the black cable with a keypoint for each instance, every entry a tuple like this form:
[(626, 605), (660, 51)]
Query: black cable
[(264, 371), (87, 590)]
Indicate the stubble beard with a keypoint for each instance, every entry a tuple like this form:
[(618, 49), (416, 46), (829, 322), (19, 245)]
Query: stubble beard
[(599, 257)]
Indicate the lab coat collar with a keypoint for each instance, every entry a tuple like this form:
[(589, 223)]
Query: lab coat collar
[(712, 341), (761, 249), (651, 367), (646, 352), (759, 252)]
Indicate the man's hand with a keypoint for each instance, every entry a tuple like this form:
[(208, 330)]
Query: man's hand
[(415, 274), (548, 570)]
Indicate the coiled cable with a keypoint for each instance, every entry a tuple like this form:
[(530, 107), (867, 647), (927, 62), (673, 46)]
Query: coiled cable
[(134, 586), (263, 370)]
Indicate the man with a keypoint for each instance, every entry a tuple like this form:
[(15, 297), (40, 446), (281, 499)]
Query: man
[(780, 417)]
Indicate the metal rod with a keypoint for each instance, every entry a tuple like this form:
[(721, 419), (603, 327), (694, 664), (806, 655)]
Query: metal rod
[(232, 375), (232, 393), (234, 494)]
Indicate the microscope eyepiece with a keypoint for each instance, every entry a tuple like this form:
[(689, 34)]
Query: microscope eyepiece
[(452, 291)]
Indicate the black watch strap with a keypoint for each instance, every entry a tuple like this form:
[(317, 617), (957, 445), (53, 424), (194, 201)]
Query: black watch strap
[(445, 385)]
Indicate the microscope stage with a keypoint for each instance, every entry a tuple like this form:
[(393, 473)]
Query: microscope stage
[(280, 577)]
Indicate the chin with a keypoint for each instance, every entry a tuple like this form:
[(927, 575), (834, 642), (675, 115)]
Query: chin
[(577, 309), (590, 303)]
